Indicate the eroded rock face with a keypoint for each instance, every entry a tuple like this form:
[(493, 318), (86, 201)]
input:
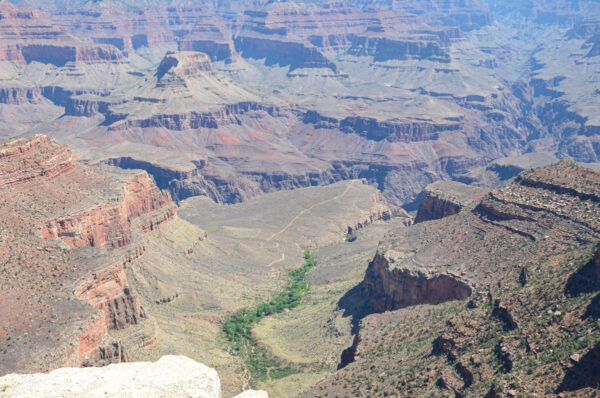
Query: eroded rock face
[(110, 224), (390, 289), (108, 291), (445, 198), (525, 248), (81, 295), (28, 36), (184, 64), (546, 209), (26, 159)]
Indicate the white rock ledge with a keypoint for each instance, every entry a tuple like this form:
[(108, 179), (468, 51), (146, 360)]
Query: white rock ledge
[(171, 376)]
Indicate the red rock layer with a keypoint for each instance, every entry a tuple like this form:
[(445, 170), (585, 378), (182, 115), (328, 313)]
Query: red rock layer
[(108, 291), (110, 224), (28, 158), (39, 181), (26, 35)]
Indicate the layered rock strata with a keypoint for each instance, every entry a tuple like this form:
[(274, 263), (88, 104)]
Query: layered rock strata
[(547, 209), (111, 224), (71, 271), (28, 36), (445, 198)]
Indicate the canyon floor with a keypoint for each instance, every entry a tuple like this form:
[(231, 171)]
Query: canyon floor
[(164, 283), (313, 197)]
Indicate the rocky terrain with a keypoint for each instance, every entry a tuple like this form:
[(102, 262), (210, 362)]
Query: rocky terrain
[(68, 236), (443, 90), (99, 269), (169, 169), (28, 36), (508, 309), (445, 198)]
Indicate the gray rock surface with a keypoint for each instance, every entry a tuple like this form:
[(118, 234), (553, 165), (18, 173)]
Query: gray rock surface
[(171, 376)]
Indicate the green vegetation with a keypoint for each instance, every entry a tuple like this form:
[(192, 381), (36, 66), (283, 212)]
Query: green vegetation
[(238, 328)]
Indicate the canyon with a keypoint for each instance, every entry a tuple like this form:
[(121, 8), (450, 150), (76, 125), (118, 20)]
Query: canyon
[(167, 167), (98, 263), (200, 97)]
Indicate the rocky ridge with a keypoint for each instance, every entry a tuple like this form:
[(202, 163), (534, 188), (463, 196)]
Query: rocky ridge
[(445, 198), (546, 209), (517, 302), (75, 270)]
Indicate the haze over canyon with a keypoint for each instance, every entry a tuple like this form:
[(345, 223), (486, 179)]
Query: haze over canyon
[(316, 198)]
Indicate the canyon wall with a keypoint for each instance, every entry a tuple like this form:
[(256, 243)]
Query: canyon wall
[(445, 198)]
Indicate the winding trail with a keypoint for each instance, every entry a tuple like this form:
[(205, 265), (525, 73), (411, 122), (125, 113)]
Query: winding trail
[(272, 263), (303, 212)]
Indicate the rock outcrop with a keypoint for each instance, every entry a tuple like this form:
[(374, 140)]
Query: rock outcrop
[(173, 376), (110, 224), (505, 291), (26, 159), (170, 376), (377, 130), (96, 216), (108, 291), (390, 289), (545, 206), (445, 198)]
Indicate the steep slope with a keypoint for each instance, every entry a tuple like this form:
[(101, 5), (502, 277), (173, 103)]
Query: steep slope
[(68, 235), (499, 300)]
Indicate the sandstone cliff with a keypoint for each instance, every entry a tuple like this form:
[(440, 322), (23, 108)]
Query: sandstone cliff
[(111, 224), (72, 269)]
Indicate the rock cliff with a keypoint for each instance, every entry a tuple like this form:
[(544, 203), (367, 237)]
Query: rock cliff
[(469, 287), (81, 294), (111, 224), (399, 288), (28, 36), (445, 198), (545, 206)]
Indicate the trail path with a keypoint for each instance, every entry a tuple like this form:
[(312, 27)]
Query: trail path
[(303, 212)]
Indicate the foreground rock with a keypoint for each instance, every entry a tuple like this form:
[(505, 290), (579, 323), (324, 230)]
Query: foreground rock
[(171, 376)]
